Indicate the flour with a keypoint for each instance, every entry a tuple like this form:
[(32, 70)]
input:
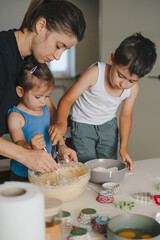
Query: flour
[(71, 172), (78, 175), (102, 169)]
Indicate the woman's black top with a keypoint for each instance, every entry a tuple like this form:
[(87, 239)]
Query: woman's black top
[(10, 64)]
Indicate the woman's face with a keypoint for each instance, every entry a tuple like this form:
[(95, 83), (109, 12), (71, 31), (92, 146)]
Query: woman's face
[(47, 46)]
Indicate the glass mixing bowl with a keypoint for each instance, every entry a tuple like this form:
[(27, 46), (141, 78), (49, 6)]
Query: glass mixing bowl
[(77, 175)]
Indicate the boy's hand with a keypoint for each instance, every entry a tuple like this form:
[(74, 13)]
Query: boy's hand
[(66, 153), (37, 142), (56, 132), (126, 158)]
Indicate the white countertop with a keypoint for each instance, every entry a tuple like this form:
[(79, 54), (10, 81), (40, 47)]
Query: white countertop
[(144, 178)]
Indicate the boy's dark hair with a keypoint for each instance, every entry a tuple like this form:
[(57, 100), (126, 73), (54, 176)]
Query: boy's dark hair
[(136, 52), (32, 69), (60, 15)]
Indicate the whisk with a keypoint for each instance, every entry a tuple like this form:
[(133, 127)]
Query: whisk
[(60, 177)]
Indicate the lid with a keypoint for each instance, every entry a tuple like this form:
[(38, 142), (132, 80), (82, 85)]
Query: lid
[(88, 211), (102, 220), (105, 192), (78, 231), (65, 214), (52, 206)]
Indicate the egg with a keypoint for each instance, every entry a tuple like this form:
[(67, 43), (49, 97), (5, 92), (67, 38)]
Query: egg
[(146, 236), (127, 234)]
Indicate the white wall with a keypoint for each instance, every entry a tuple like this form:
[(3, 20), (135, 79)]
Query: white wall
[(12, 13), (119, 19)]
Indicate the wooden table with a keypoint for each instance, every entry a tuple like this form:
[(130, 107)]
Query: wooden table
[(144, 178)]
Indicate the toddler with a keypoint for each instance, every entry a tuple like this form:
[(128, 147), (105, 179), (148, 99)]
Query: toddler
[(29, 121)]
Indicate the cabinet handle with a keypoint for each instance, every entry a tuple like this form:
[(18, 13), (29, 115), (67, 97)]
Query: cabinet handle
[(155, 77)]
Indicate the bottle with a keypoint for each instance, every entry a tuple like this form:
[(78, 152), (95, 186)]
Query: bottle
[(53, 219)]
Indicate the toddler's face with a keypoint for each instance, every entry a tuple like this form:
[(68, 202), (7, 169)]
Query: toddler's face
[(120, 77), (36, 98)]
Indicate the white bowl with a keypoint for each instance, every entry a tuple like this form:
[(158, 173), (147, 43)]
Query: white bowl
[(114, 187)]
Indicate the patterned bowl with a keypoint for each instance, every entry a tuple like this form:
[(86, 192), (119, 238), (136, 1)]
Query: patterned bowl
[(114, 187)]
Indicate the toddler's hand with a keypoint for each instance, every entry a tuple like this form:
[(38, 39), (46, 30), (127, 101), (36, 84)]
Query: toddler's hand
[(126, 158), (37, 142), (56, 132)]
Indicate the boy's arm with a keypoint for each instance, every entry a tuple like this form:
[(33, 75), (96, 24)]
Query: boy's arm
[(88, 78), (126, 124), (53, 112), (65, 153)]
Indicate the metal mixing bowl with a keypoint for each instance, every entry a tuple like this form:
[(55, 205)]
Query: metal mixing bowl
[(133, 221), (102, 177)]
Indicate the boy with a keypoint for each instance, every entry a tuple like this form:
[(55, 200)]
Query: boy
[(96, 97)]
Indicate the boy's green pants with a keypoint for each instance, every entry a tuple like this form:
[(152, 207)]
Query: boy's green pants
[(95, 141)]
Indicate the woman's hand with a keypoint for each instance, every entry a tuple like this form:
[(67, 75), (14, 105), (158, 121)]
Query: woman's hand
[(39, 160), (66, 153), (37, 142), (126, 158), (56, 132)]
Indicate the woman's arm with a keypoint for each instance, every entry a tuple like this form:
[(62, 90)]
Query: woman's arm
[(37, 160)]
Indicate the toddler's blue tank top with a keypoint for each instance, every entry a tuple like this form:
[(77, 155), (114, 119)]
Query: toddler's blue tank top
[(33, 125)]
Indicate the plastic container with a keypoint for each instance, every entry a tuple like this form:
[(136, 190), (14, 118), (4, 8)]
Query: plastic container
[(87, 215), (79, 234), (67, 220), (105, 196), (53, 218)]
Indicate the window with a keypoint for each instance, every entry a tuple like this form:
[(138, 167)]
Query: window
[(65, 67)]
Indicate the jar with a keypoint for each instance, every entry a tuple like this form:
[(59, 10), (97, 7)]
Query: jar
[(53, 219), (105, 196)]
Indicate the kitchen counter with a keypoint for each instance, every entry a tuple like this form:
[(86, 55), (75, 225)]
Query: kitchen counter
[(144, 178)]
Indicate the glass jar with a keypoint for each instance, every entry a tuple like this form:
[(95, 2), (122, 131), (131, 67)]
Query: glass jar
[(53, 219)]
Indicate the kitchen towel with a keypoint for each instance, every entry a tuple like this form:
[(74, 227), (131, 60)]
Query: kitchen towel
[(21, 212)]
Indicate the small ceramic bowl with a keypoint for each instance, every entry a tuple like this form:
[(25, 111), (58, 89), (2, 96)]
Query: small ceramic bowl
[(113, 186)]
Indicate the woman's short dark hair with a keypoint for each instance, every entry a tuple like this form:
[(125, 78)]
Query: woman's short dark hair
[(60, 15), (33, 69), (136, 52)]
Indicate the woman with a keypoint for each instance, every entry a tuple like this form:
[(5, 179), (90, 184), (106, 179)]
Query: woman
[(48, 29)]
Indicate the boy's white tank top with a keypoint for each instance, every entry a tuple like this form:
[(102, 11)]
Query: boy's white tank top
[(95, 106)]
